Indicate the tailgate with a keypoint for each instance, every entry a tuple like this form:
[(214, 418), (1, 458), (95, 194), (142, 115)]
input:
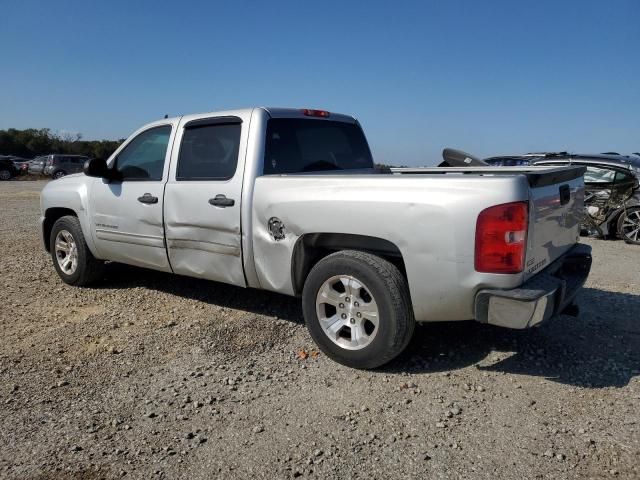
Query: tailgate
[(556, 210)]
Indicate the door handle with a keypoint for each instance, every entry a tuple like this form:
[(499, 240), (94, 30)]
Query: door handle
[(222, 201), (148, 198)]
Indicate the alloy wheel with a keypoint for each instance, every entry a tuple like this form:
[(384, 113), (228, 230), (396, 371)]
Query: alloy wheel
[(630, 227), (347, 312), (66, 252)]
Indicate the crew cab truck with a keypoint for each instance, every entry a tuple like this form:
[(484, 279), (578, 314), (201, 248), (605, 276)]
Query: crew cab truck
[(289, 201)]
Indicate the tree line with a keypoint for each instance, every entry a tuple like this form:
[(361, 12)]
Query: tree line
[(34, 142)]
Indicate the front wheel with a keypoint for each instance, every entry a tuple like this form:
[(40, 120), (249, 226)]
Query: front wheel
[(72, 259), (5, 174), (629, 225), (357, 309), (59, 174)]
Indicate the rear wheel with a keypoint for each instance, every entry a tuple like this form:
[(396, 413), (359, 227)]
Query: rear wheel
[(357, 309), (72, 259), (629, 225), (5, 174)]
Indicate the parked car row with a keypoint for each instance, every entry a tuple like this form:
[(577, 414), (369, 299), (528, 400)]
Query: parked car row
[(54, 165), (612, 193)]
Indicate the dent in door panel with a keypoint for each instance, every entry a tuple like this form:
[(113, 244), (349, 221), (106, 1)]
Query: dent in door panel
[(205, 246)]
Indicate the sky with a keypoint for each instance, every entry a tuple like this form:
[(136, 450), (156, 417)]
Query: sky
[(491, 77)]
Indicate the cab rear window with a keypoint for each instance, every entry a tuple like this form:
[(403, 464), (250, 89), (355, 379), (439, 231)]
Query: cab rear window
[(306, 145)]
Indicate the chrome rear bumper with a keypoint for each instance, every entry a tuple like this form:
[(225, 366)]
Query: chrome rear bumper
[(540, 298)]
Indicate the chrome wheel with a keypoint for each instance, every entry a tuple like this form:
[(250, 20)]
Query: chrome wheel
[(630, 227), (66, 252), (347, 312), (58, 175)]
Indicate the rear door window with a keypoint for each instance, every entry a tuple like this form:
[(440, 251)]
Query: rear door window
[(306, 145), (209, 151)]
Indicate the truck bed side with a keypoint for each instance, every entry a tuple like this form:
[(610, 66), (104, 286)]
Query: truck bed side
[(431, 221)]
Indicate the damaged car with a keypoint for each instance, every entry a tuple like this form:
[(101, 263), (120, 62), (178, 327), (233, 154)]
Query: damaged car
[(612, 196)]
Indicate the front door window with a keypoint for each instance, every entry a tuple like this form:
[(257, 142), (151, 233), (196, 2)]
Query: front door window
[(143, 158)]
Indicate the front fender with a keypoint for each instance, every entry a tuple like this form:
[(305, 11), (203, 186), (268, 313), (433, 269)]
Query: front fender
[(68, 193)]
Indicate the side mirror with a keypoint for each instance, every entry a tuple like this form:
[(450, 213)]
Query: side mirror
[(97, 167)]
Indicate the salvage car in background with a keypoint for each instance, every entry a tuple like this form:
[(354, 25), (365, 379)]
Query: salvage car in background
[(612, 196)]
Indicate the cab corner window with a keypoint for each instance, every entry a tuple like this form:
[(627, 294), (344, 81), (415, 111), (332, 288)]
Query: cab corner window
[(209, 152), (143, 158)]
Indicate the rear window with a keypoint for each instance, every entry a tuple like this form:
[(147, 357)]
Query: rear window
[(306, 145)]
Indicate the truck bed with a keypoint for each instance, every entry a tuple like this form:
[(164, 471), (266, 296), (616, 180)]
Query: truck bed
[(537, 176)]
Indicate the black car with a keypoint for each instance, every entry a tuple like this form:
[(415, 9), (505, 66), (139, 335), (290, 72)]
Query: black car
[(8, 169), (612, 196)]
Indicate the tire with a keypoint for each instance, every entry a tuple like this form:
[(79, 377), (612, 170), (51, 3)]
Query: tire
[(58, 174), (5, 174), (339, 297), (71, 257), (629, 225)]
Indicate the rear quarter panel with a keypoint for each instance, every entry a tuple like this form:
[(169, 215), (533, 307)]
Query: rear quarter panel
[(431, 219)]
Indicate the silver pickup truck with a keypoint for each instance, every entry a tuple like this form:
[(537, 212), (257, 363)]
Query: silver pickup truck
[(289, 201)]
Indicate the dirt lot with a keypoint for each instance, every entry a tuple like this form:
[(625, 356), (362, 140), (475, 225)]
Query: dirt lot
[(155, 376)]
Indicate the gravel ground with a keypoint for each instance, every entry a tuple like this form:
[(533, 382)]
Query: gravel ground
[(159, 376)]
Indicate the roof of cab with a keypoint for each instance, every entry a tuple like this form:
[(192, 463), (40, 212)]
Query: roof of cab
[(277, 112), (274, 112)]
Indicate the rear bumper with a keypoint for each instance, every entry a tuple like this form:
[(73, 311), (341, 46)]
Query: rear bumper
[(541, 297)]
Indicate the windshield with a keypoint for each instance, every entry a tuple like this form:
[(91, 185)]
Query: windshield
[(306, 145)]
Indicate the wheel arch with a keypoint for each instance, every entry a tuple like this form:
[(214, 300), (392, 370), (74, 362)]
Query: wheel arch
[(52, 215), (310, 248)]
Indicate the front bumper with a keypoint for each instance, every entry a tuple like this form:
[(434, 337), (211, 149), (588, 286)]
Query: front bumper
[(540, 298)]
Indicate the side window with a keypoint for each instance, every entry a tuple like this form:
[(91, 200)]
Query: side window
[(623, 177), (209, 152), (143, 158), (599, 175)]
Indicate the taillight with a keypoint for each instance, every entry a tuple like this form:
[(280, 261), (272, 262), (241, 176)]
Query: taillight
[(49, 162), (315, 113), (501, 238)]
